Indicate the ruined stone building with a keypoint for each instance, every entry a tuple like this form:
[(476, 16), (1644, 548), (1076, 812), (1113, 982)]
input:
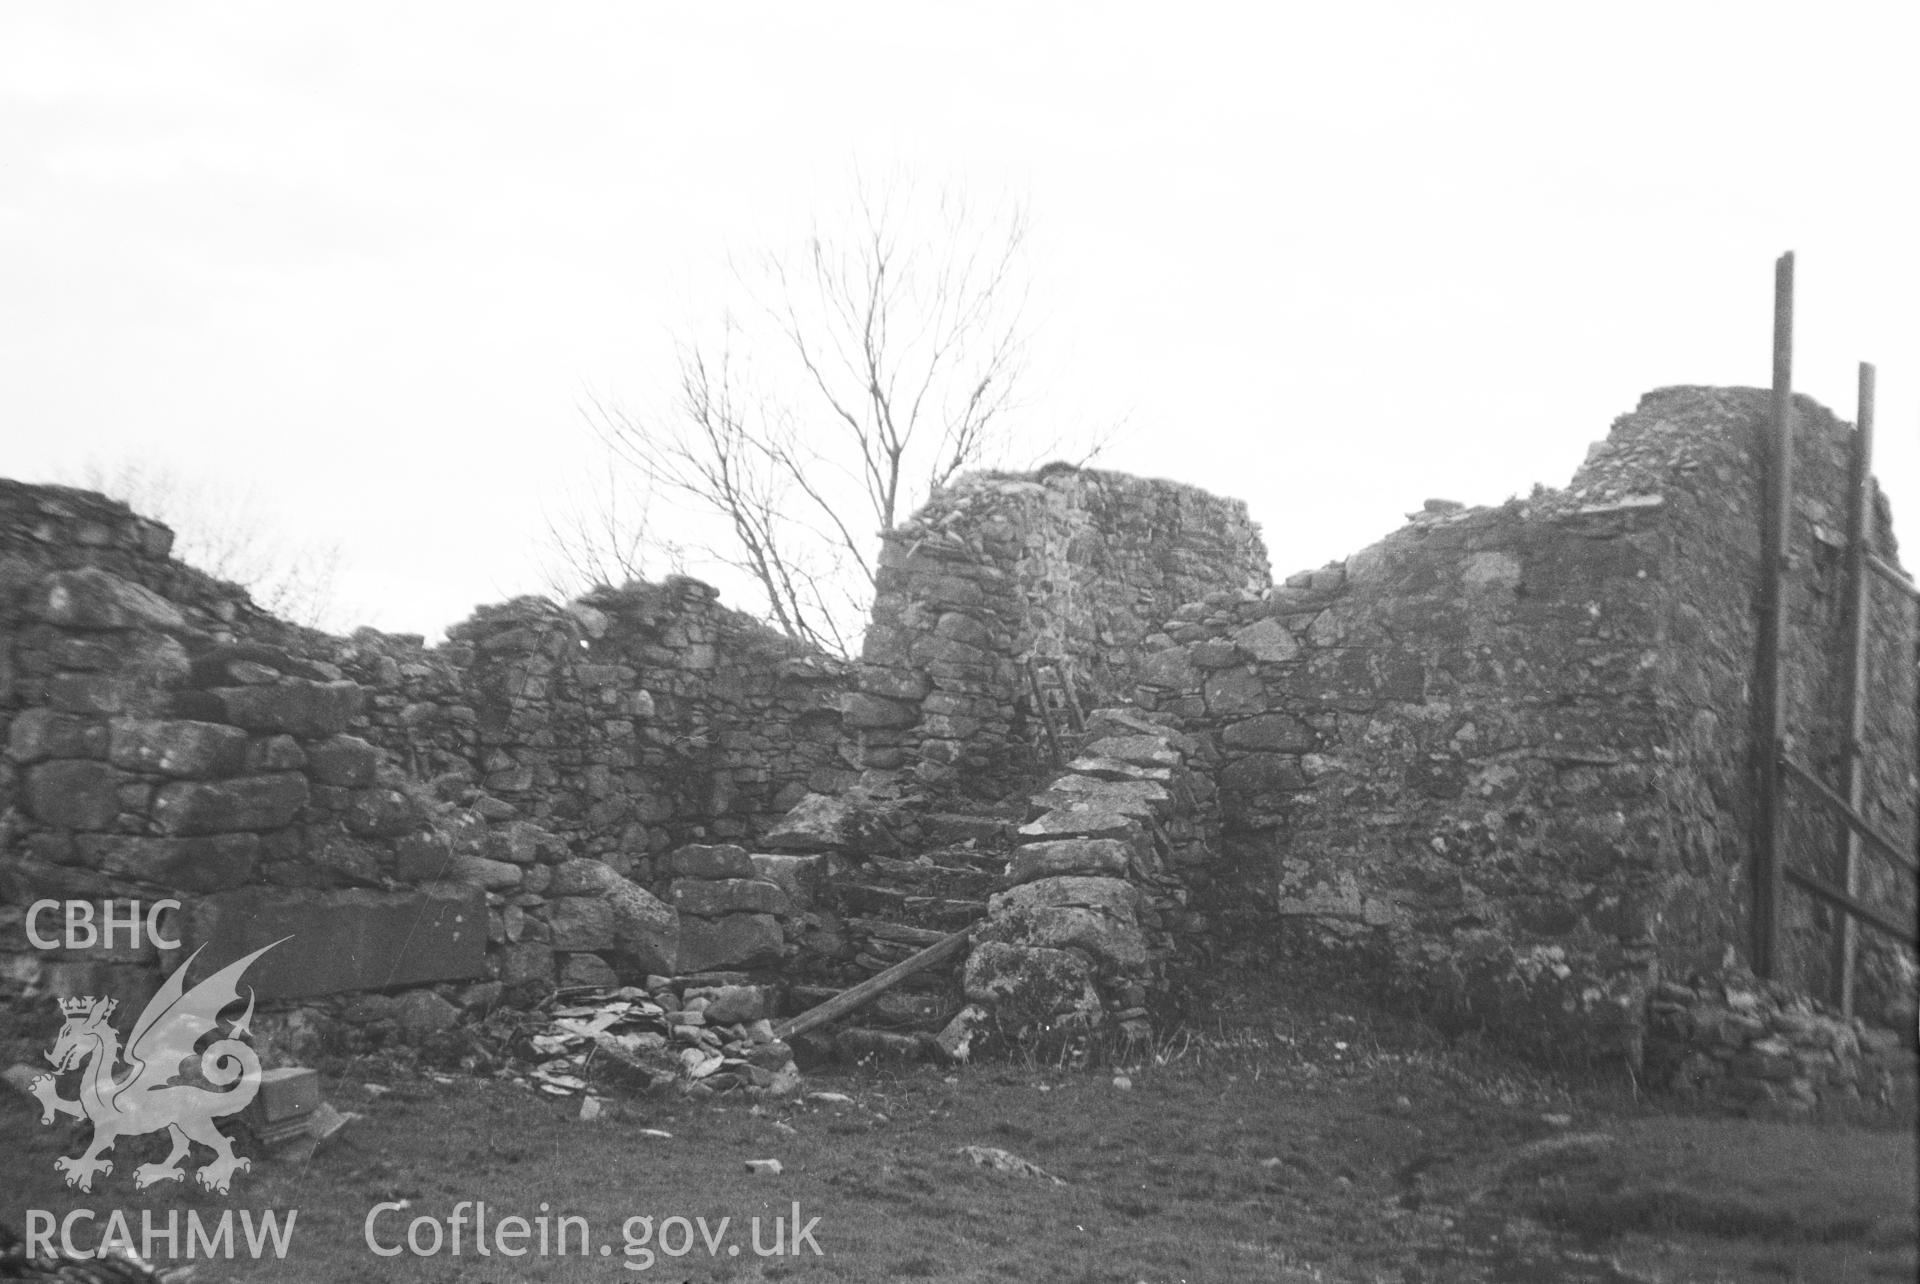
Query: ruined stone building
[(1498, 765)]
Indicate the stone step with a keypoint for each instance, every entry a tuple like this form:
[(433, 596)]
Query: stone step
[(955, 828), (954, 882)]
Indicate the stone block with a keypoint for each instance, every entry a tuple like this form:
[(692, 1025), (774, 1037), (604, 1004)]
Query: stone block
[(864, 711), (275, 753), (1031, 987), (1266, 641), (171, 747), (478, 871), (382, 813), (583, 877), (800, 877), (1262, 775), (527, 963), (580, 923), (586, 969), (1234, 693), (1278, 731), (212, 863), (714, 898), (711, 860), (646, 930), (1097, 916), (731, 1004), (736, 941), (90, 598), (343, 760), (226, 806), (41, 733), (1101, 857), (295, 705), (339, 942), (74, 793)]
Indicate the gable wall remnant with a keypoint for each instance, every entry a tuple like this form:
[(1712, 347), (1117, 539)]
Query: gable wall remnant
[(1503, 756), (1065, 569)]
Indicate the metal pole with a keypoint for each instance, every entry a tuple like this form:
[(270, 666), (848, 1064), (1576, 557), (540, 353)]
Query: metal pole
[(1853, 779), (1777, 537)]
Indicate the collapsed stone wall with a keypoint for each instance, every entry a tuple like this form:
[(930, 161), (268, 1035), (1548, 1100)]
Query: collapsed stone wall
[(447, 825), (1502, 756), (1066, 568), (627, 721)]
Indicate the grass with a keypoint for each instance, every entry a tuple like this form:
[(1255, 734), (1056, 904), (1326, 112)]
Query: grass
[(1281, 1140)]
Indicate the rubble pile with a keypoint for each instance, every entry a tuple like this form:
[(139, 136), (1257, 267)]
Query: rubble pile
[(698, 1035)]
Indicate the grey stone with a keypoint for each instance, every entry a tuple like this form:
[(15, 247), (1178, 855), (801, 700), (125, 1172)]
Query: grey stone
[(1266, 641), (225, 806), (716, 860), (90, 598), (74, 793), (421, 1014), (40, 733), (194, 750), (1032, 988), (343, 760), (713, 898), (1106, 857), (295, 705), (736, 941), (1098, 916), (646, 930), (213, 863), (338, 942), (580, 923)]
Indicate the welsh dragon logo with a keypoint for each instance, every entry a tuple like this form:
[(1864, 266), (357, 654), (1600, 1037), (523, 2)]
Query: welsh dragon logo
[(153, 1093)]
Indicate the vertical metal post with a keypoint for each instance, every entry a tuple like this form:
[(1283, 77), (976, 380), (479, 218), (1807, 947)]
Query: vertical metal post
[(1853, 777), (1769, 692)]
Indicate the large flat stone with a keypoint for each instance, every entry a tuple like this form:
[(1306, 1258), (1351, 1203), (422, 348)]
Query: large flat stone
[(1097, 916), (714, 898), (646, 930), (1031, 988), (295, 705), (74, 793), (736, 941), (90, 598), (1080, 822), (177, 747), (1102, 857), (580, 923), (47, 733), (226, 806), (206, 864), (342, 941)]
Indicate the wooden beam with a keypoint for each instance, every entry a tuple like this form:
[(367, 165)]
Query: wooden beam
[(1852, 905), (1860, 824), (1893, 576), (849, 1001), (1845, 944), (1769, 703)]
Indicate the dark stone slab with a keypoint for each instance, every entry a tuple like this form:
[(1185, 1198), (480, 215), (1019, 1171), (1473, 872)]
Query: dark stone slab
[(227, 806), (342, 941)]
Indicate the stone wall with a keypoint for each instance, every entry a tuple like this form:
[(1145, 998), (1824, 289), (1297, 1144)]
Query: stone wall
[(1500, 758), (1066, 567), (628, 721), (446, 825)]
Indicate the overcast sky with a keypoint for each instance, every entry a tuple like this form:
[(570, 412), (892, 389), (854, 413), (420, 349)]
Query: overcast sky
[(1332, 258)]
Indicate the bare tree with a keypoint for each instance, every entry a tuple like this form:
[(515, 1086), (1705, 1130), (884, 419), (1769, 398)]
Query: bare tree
[(228, 533), (603, 534), (873, 362)]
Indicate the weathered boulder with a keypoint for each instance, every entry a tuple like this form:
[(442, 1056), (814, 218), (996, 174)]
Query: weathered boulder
[(1032, 987), (1097, 916), (1266, 641), (1280, 731), (1103, 857)]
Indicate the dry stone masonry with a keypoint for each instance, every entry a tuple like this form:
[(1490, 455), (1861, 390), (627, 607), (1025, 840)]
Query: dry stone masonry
[(1500, 763)]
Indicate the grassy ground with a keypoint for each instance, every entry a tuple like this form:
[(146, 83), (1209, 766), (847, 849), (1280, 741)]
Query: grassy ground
[(1286, 1141)]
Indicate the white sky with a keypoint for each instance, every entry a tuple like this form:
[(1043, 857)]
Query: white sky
[(1334, 259)]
